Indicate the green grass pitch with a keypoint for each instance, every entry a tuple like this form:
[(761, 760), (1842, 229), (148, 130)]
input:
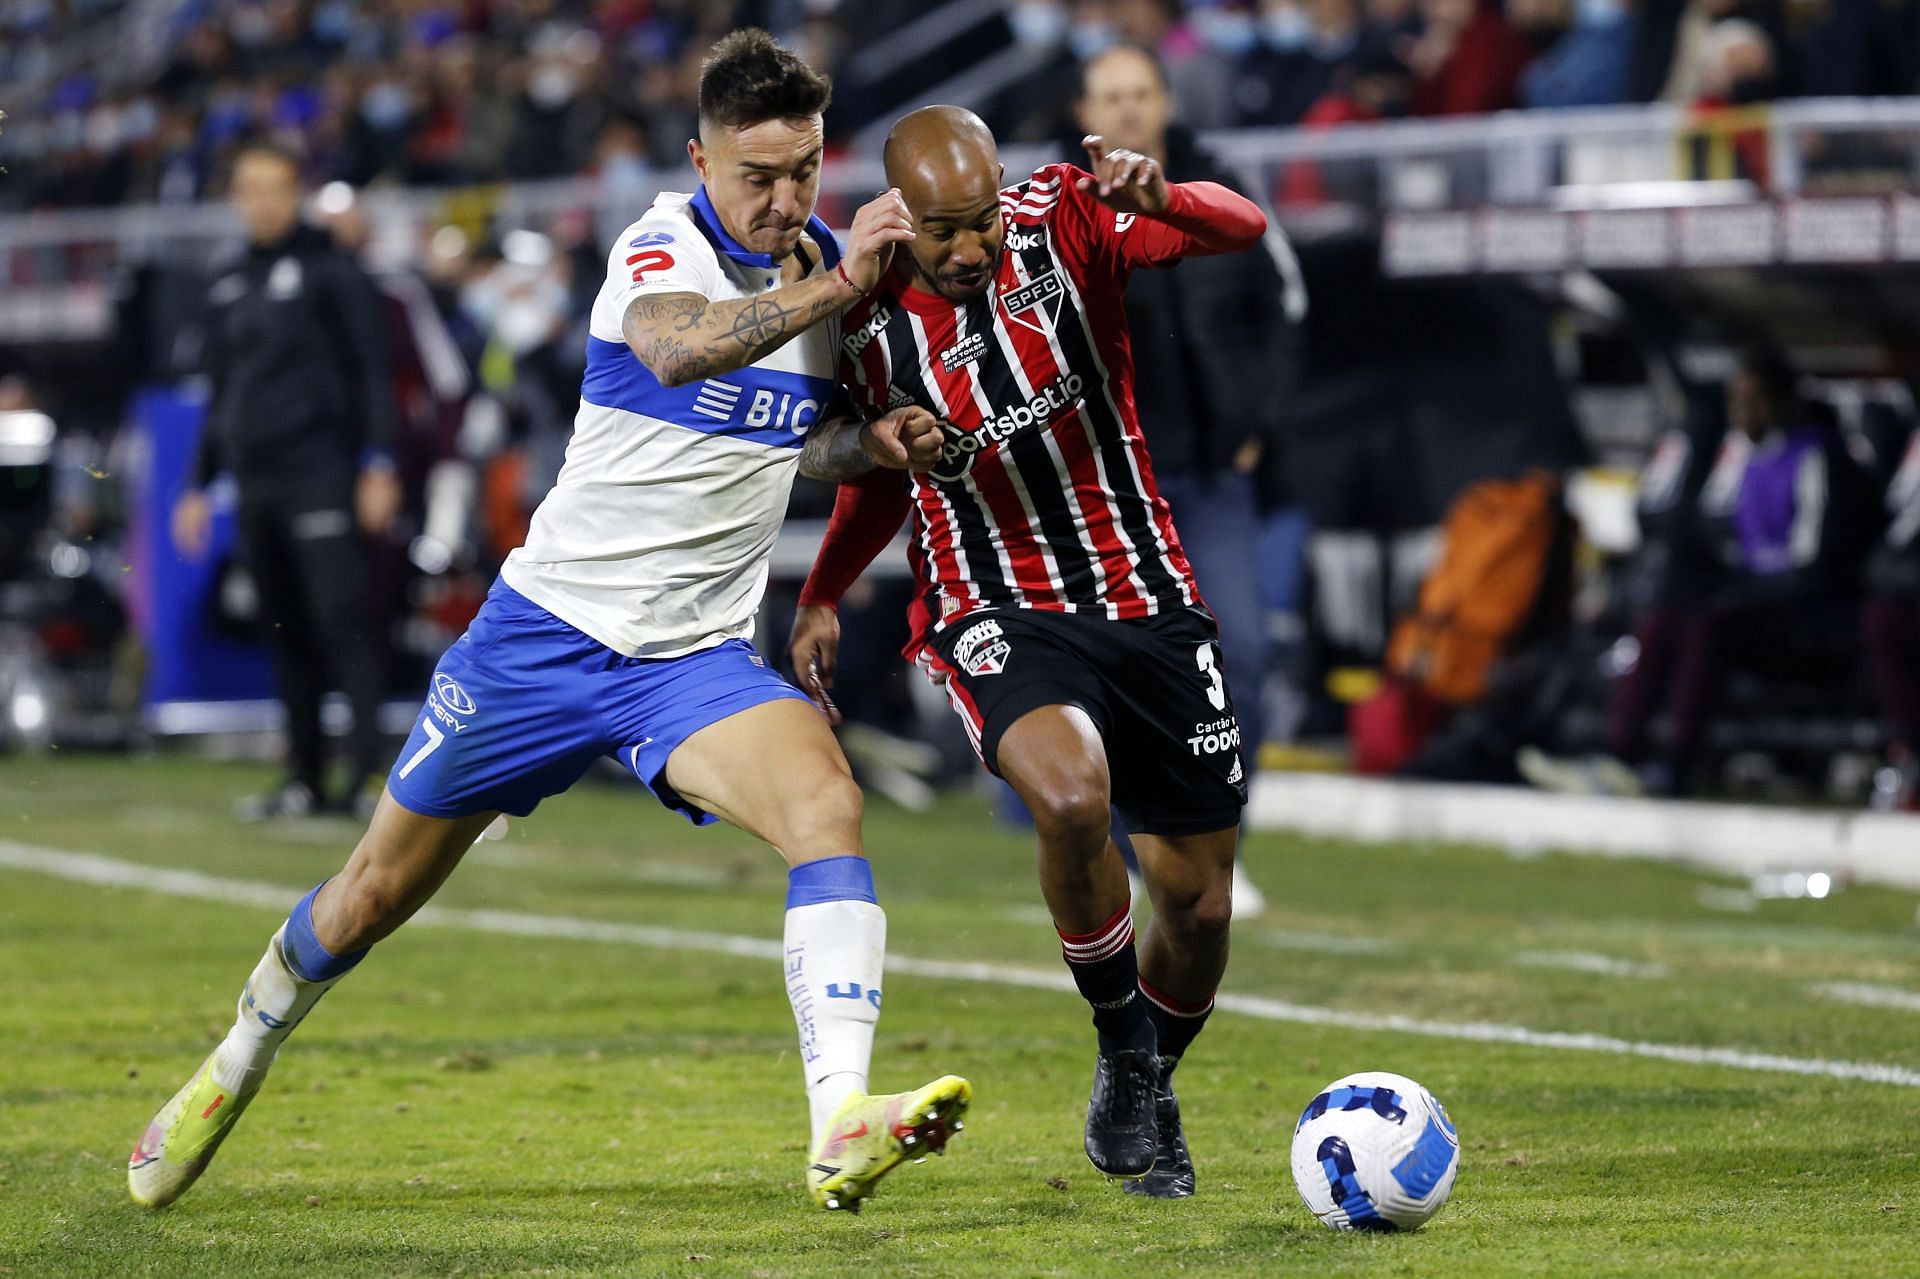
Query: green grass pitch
[(485, 1104)]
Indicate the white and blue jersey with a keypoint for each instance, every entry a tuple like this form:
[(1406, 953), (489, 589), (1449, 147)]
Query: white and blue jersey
[(620, 627), (655, 539)]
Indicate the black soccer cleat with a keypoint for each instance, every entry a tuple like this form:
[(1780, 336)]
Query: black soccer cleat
[(1172, 1175), (1121, 1129), (286, 802)]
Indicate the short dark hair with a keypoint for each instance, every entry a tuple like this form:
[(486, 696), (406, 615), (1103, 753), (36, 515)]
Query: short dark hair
[(750, 77), (1154, 60), (268, 148), (1768, 365)]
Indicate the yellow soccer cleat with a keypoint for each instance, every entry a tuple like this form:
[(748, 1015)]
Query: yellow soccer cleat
[(179, 1141), (870, 1136)]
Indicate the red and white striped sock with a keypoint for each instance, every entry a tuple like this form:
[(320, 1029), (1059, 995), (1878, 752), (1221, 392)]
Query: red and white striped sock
[(1107, 970), (1175, 1022)]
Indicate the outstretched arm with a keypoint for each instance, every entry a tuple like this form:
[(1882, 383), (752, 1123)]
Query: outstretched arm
[(1179, 219), (683, 337)]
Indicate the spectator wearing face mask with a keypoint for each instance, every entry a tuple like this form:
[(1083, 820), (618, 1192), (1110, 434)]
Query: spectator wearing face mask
[(1199, 76), (1589, 63), (1055, 37), (557, 111), (1304, 49), (1466, 60)]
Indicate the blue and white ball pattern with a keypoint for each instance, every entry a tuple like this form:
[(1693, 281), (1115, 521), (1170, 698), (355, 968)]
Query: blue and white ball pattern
[(1375, 1151)]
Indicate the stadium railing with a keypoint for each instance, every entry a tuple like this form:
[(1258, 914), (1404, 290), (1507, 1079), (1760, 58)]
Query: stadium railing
[(1645, 187)]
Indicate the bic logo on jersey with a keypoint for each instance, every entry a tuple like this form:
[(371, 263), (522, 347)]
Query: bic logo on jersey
[(780, 410)]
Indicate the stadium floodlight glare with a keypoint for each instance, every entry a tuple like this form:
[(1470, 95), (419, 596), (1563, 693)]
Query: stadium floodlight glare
[(334, 199), (26, 438), (29, 710), (448, 242), (1651, 195), (68, 561), (526, 248)]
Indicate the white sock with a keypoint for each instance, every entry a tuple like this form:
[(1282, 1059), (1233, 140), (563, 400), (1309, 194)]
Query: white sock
[(835, 951), (271, 1005)]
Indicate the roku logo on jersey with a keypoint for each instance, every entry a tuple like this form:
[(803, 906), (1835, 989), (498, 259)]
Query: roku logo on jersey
[(1020, 243), (858, 340), (1048, 403)]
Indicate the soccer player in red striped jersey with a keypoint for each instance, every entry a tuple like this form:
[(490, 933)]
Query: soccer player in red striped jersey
[(1055, 601)]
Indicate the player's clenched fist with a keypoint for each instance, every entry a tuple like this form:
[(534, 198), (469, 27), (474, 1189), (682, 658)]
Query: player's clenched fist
[(1123, 180), (908, 439), (880, 224)]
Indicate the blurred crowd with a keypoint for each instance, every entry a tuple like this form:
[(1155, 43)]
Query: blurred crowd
[(131, 101), (417, 92), (1324, 62)]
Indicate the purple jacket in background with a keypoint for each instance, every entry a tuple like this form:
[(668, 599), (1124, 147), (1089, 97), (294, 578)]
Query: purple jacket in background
[(1769, 499)]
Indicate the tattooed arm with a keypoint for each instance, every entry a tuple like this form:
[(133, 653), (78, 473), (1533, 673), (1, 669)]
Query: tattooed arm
[(834, 450), (682, 337), (908, 439)]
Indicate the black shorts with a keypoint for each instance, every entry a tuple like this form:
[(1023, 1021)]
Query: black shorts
[(1155, 688)]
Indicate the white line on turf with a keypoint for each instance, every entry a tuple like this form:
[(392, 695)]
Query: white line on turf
[(1582, 961), (88, 868), (1860, 992), (1315, 943)]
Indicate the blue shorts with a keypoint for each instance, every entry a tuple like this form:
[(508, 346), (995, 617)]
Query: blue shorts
[(523, 704)]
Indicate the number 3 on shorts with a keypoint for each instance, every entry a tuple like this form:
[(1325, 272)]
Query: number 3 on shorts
[(1209, 666), (435, 737)]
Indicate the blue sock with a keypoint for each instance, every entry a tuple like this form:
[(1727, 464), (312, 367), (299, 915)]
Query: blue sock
[(831, 879), (309, 960)]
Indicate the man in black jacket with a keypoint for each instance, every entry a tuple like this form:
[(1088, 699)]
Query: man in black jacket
[(1215, 355), (301, 414)]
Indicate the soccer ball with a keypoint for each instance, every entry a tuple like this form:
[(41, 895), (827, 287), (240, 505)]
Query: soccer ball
[(1375, 1151)]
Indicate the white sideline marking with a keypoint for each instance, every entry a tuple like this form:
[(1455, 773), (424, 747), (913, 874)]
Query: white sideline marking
[(1860, 992), (1314, 943), (1740, 901), (1744, 839), (89, 868), (1582, 961)]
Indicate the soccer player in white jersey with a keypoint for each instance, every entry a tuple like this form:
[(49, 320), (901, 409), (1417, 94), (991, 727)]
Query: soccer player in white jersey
[(620, 629)]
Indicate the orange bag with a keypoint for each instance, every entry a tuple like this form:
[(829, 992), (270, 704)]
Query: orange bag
[(1494, 561)]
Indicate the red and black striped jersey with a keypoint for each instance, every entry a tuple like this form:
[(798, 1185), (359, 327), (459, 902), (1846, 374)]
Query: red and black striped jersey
[(1043, 497)]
